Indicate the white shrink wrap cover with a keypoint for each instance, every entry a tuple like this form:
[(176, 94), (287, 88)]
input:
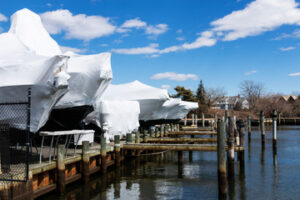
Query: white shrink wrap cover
[(174, 109), (149, 98), (121, 117), (90, 76), (24, 63)]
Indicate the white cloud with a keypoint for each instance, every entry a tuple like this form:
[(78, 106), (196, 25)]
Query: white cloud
[(294, 34), (205, 39), (295, 74), (180, 38), (157, 29), (151, 49), (3, 18), (174, 76), (287, 48), (134, 23), (78, 26), (258, 17), (179, 31), (165, 87), (75, 50), (250, 72)]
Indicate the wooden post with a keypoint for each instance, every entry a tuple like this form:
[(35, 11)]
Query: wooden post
[(227, 123), (152, 132), (137, 137), (145, 133), (203, 120), (241, 153), (156, 132), (193, 118), (185, 120), (221, 160), (216, 120), (61, 180), (117, 151), (279, 119), (180, 157), (274, 129), (129, 138), (249, 128), (86, 161), (236, 132), (262, 126), (196, 120), (230, 153), (103, 155), (162, 130)]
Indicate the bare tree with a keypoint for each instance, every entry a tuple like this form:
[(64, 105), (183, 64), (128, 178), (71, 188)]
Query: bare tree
[(214, 94), (252, 91)]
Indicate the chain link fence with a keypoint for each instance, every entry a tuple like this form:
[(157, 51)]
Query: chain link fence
[(14, 139)]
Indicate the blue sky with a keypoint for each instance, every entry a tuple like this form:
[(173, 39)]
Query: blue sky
[(165, 43)]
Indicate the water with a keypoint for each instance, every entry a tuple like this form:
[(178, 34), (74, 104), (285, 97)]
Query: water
[(266, 176)]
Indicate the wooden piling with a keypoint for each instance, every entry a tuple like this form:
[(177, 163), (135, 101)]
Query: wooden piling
[(203, 120), (185, 120), (103, 155), (85, 161), (236, 132), (162, 130), (262, 126), (249, 128), (137, 137), (274, 129), (215, 120), (152, 132), (180, 157), (196, 120), (61, 180), (241, 154), (129, 138), (117, 151), (157, 133), (221, 130), (230, 153)]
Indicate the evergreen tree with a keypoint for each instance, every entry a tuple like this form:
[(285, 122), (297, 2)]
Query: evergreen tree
[(184, 94), (201, 94)]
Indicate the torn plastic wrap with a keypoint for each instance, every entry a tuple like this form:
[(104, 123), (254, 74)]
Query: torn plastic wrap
[(90, 76)]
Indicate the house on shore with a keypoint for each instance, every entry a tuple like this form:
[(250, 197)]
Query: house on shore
[(230, 103)]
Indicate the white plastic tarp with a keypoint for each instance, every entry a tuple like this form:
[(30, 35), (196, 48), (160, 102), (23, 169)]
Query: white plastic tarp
[(25, 63), (90, 76), (149, 98), (174, 109), (121, 117)]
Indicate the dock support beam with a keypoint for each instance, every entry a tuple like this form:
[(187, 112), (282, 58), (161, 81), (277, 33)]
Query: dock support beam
[(262, 127), (103, 156), (117, 151), (230, 153), (61, 180), (203, 120), (274, 129), (249, 128), (86, 161), (221, 160)]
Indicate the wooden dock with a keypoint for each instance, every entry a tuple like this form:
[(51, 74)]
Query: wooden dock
[(55, 175)]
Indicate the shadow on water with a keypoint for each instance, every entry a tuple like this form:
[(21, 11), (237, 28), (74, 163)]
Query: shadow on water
[(268, 174)]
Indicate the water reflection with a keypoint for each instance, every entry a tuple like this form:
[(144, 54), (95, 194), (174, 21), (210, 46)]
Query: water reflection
[(268, 174)]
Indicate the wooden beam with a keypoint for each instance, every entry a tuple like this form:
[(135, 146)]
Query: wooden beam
[(175, 147)]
